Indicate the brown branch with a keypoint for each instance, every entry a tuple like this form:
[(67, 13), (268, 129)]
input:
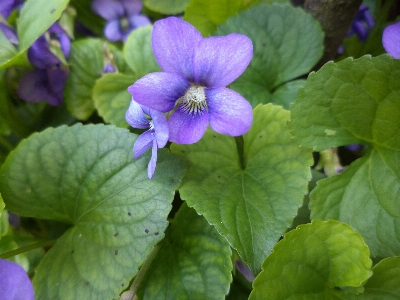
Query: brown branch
[(335, 17)]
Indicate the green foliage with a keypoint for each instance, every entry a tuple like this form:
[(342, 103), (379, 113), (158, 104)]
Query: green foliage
[(193, 262), (252, 206), (168, 7), (87, 60), (287, 43), (349, 102), (313, 262), (117, 214), (138, 54), (30, 27), (112, 98)]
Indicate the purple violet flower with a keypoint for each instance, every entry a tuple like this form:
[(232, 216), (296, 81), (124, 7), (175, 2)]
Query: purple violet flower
[(14, 282), (122, 17), (391, 39), (192, 84), (47, 82), (156, 136), (7, 6), (362, 23), (9, 33)]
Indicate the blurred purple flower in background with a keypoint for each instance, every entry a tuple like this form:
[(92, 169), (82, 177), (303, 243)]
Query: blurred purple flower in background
[(47, 82), (391, 39), (362, 23), (156, 136), (14, 282), (7, 6), (9, 33), (122, 17), (192, 86)]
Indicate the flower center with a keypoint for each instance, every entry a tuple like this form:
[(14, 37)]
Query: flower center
[(151, 125), (194, 100), (124, 24)]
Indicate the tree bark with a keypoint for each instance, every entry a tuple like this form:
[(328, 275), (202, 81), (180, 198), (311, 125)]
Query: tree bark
[(335, 17)]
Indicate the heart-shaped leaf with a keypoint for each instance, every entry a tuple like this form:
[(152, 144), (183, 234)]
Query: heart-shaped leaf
[(251, 205), (86, 176), (352, 102)]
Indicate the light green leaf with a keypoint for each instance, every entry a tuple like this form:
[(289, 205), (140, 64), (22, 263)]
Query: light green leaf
[(30, 27), (87, 60), (167, 7), (206, 15), (286, 94), (193, 262), (138, 53), (384, 283), (312, 262), (112, 98), (1, 216), (251, 206), (350, 102), (287, 42), (86, 176)]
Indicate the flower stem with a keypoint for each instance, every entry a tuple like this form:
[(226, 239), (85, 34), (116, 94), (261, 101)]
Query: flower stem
[(130, 295), (28, 248), (240, 148)]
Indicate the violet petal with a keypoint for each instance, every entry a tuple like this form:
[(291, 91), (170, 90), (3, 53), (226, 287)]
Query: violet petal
[(173, 43), (143, 143), (229, 112), (108, 9), (132, 7), (112, 31), (151, 167), (391, 39), (135, 116), (139, 21), (14, 282), (6, 7), (159, 90), (160, 128), (57, 79), (34, 87), (185, 128), (218, 61), (40, 55), (9, 34)]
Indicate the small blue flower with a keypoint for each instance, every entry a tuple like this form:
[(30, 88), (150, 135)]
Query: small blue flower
[(391, 39), (362, 23), (47, 82), (122, 17), (156, 136), (192, 84), (14, 282)]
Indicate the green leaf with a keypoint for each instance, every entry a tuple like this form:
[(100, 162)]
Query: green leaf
[(112, 98), (87, 17), (167, 7), (30, 27), (87, 60), (287, 42), (86, 176), (193, 262), (384, 283), (312, 261), (138, 53), (1, 216), (286, 94), (251, 206), (350, 102), (206, 15)]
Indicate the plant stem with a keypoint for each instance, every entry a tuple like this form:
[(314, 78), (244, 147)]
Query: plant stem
[(335, 17), (240, 148), (140, 275), (28, 248)]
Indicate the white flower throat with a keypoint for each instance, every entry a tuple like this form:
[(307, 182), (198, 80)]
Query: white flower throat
[(194, 100)]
